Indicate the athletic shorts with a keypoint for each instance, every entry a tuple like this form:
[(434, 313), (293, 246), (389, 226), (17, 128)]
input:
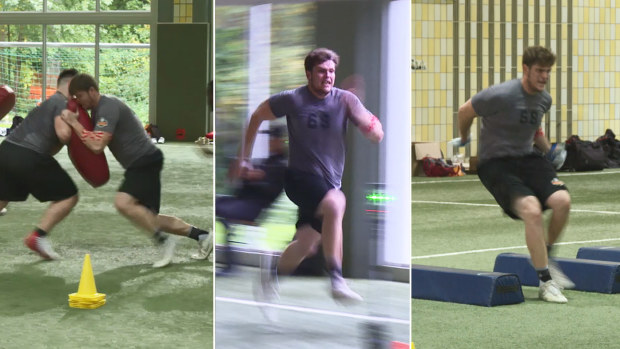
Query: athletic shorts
[(512, 177), (24, 171), (306, 190), (239, 208), (143, 180)]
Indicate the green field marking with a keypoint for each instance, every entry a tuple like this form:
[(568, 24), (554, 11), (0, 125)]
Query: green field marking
[(444, 228)]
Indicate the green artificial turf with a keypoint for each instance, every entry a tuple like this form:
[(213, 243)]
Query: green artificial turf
[(589, 320), (146, 307)]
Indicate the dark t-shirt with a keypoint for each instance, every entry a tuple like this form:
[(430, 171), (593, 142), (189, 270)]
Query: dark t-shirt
[(509, 119), (129, 140), (317, 129), (37, 131)]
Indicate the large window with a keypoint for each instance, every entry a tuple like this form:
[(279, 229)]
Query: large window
[(20, 65), (74, 5), (259, 51), (39, 42)]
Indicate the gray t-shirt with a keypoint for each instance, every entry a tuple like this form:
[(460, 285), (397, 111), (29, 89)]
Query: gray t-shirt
[(509, 119), (129, 140), (317, 129), (37, 131)]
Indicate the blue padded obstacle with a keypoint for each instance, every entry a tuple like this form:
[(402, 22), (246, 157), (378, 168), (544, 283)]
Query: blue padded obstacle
[(588, 275), (464, 286), (600, 253)]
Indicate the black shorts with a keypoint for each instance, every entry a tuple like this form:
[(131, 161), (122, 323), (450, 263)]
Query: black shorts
[(143, 180), (239, 208), (24, 171), (512, 177), (306, 190)]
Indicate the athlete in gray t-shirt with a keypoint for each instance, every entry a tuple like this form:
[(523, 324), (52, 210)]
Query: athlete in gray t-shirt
[(317, 128), (139, 195), (522, 182), (317, 115), (129, 142), (510, 118), (27, 166), (37, 131)]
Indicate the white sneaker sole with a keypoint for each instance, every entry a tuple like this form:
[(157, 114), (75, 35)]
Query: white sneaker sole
[(168, 254), (205, 251)]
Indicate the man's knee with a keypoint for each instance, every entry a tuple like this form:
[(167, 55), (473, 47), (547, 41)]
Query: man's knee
[(560, 200), (528, 208), (72, 201), (334, 202), (123, 202)]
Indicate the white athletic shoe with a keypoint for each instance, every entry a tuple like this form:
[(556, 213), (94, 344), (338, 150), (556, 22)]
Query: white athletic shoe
[(205, 247), (266, 288), (41, 245), (3, 212), (166, 252), (559, 277), (342, 293), (550, 292)]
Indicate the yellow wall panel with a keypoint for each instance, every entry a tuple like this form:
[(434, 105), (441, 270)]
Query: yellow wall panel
[(594, 67)]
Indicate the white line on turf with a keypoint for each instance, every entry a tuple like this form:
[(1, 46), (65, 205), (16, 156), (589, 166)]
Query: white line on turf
[(509, 248), (561, 174), (451, 203), (495, 205), (313, 311)]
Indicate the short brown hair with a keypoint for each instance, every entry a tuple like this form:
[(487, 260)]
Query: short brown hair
[(82, 82), (538, 55), (318, 56), (66, 74)]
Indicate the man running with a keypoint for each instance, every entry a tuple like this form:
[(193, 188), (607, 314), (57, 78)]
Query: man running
[(522, 182), (317, 115), (27, 166), (139, 196)]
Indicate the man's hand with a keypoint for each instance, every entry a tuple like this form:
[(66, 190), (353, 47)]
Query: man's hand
[(239, 168), (68, 116), (557, 155), (252, 175), (460, 142)]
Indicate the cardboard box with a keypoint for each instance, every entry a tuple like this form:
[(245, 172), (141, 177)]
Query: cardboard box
[(473, 165), (419, 150)]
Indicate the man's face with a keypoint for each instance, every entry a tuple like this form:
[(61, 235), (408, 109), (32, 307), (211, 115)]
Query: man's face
[(86, 98), (321, 78), (536, 77)]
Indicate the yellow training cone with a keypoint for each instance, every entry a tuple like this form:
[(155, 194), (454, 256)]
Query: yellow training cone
[(87, 296)]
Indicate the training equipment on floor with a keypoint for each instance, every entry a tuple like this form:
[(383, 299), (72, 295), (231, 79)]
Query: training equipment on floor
[(465, 286), (92, 167), (588, 275), (87, 296), (600, 253), (7, 100)]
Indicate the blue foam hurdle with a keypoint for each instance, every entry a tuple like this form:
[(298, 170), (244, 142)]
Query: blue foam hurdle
[(588, 275), (600, 253), (465, 286)]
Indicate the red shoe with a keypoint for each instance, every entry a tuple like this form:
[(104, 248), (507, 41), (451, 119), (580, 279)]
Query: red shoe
[(41, 245)]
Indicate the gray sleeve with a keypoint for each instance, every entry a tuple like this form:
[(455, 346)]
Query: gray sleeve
[(548, 102), (488, 101), (107, 118), (355, 108), (281, 103)]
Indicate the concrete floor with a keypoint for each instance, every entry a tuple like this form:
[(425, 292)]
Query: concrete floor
[(307, 317)]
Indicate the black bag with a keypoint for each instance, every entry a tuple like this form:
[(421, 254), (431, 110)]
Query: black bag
[(16, 121), (611, 147), (584, 155), (153, 131)]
